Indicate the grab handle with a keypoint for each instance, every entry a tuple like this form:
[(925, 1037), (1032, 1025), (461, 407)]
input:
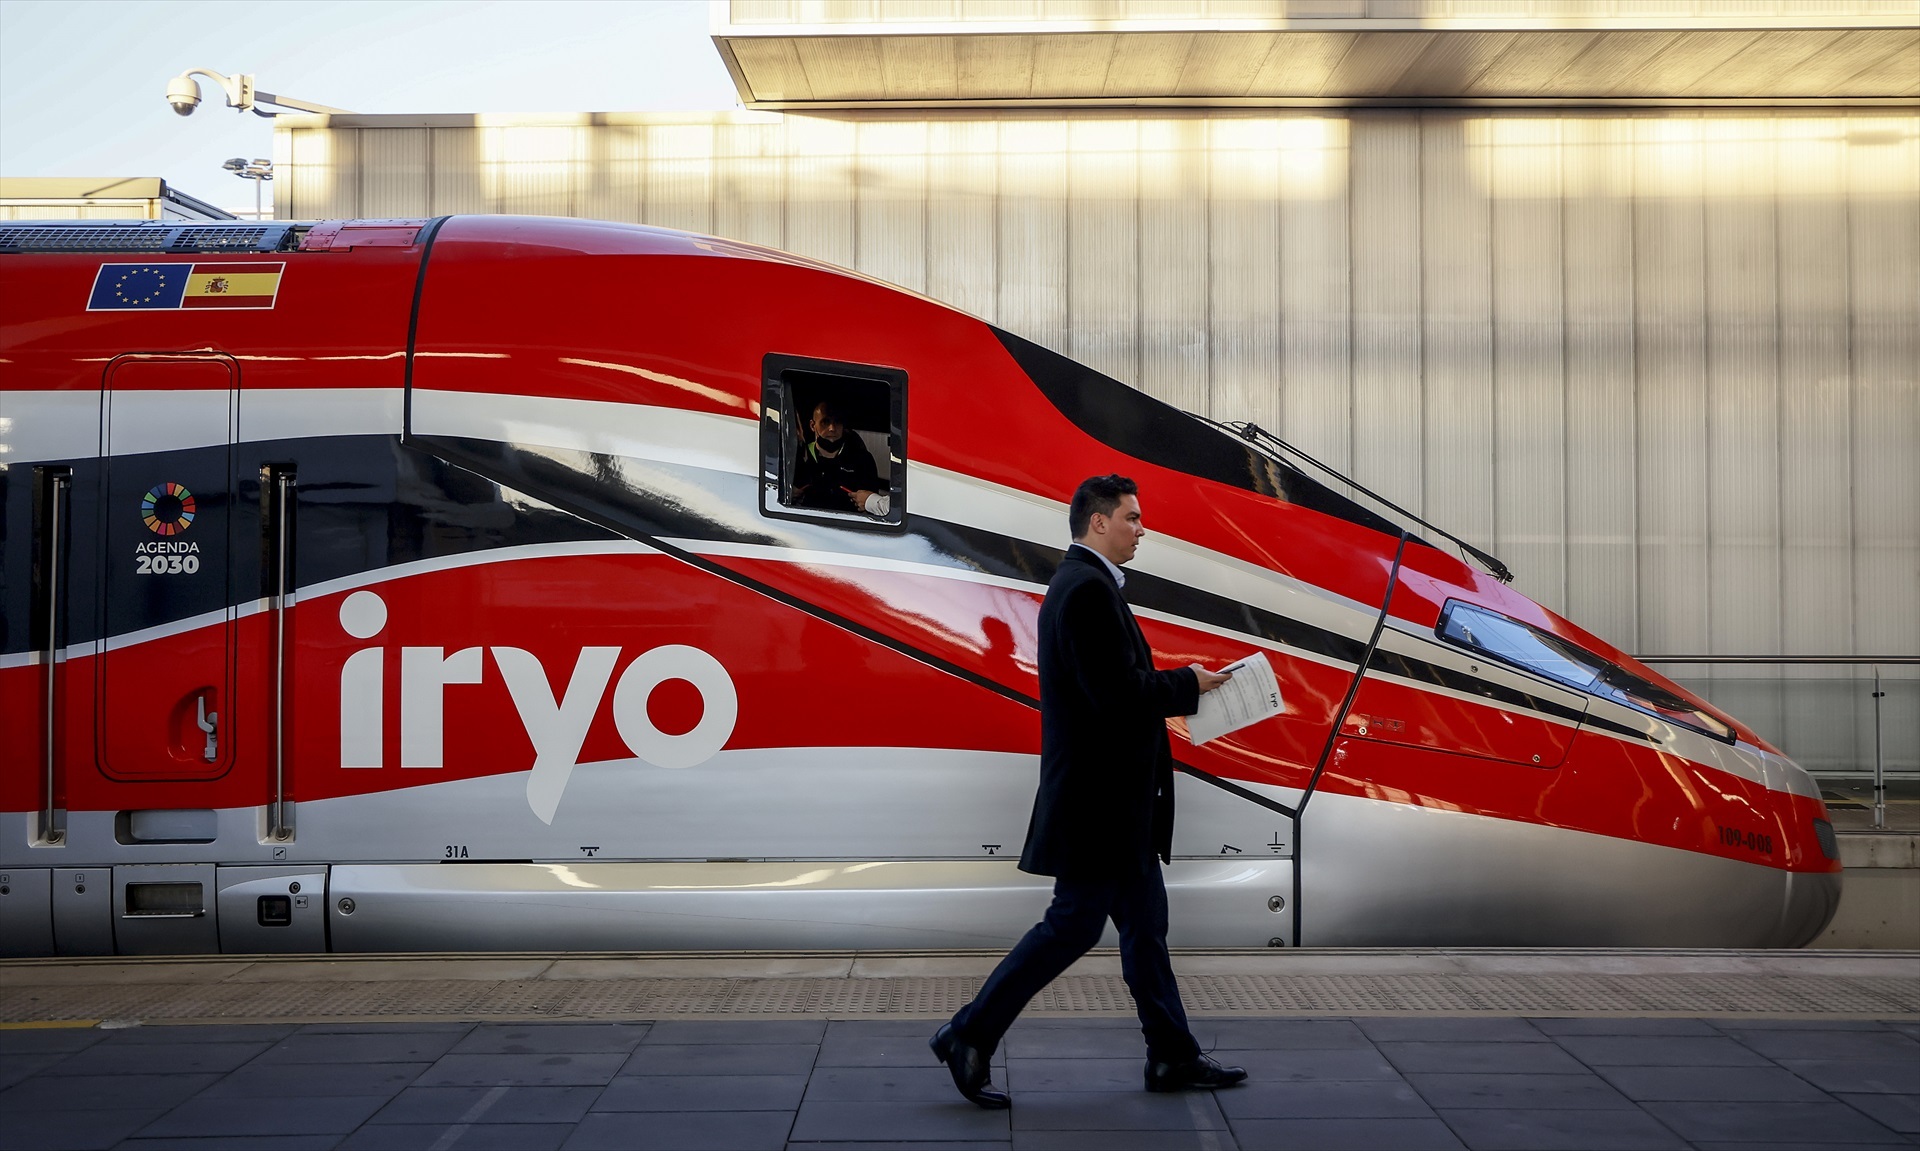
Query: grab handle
[(208, 722), (52, 829), (279, 825)]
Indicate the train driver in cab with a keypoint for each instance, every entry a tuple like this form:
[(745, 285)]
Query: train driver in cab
[(835, 470)]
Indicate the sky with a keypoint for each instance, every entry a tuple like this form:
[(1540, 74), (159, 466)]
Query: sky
[(83, 85)]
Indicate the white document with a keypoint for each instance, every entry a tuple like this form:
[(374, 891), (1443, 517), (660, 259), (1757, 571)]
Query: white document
[(1250, 696)]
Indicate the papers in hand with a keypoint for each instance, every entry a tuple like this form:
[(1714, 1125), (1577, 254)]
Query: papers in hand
[(1250, 696)]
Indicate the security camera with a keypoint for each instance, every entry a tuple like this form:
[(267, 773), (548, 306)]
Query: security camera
[(184, 94)]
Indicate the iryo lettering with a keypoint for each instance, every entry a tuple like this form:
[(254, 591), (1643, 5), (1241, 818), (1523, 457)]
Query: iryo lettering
[(556, 722)]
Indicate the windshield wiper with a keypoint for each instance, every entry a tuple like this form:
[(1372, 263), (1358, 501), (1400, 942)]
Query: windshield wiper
[(1276, 449)]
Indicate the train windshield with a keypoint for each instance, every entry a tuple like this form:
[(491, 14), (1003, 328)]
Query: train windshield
[(1622, 686), (1510, 641)]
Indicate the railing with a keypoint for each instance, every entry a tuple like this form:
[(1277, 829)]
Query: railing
[(1832, 714)]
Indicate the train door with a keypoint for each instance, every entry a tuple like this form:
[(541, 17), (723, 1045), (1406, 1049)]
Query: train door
[(166, 707)]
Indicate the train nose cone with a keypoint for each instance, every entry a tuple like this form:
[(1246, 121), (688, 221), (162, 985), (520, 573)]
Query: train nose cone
[(1812, 898)]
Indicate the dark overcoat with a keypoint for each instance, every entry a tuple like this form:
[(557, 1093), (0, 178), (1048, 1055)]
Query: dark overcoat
[(1105, 804)]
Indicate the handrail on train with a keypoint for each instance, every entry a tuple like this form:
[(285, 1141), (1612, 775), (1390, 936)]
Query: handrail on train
[(1276, 449), (1874, 661)]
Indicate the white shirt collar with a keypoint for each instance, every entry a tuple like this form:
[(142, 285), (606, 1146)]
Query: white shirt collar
[(1119, 577)]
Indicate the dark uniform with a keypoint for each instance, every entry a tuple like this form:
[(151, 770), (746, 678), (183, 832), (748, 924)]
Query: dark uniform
[(824, 481)]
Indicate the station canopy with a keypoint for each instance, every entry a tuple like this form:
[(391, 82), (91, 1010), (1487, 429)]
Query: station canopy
[(800, 54)]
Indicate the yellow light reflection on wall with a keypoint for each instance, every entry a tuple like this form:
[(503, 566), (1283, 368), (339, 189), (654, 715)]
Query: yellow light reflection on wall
[(305, 176), (1523, 155), (1313, 157), (529, 165), (1718, 156), (1293, 156)]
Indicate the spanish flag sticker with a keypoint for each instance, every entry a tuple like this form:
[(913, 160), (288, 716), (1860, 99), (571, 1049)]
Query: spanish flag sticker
[(232, 286)]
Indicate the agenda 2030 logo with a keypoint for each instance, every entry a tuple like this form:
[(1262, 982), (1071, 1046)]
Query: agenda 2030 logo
[(168, 510)]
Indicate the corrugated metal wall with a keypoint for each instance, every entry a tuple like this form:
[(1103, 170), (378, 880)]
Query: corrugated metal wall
[(1667, 365)]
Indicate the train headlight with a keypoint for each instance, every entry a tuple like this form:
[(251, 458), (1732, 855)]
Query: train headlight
[(1829, 846)]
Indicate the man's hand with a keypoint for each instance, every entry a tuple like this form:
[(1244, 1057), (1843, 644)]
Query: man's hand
[(859, 498), (1209, 679)]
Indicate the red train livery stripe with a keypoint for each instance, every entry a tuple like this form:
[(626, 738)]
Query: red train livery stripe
[(791, 669)]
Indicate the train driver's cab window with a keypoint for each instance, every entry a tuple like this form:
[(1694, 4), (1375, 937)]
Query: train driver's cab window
[(1510, 641), (833, 443)]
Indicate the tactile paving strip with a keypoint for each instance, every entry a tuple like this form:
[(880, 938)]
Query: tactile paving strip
[(59, 997)]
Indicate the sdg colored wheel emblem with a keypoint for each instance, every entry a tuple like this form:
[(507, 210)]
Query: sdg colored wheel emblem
[(167, 509)]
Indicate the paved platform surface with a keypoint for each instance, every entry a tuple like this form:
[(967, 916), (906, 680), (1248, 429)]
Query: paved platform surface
[(845, 985), (1488, 1049), (1371, 1082)]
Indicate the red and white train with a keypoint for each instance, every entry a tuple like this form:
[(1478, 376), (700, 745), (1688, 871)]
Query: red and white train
[(439, 584)]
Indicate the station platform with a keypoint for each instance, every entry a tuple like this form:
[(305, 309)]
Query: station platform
[(1481, 1049)]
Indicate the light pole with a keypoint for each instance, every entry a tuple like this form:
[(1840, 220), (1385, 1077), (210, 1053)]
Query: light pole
[(259, 171)]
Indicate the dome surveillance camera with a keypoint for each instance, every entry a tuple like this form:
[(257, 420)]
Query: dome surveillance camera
[(184, 94)]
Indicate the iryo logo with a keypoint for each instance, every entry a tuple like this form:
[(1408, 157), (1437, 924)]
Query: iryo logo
[(557, 727)]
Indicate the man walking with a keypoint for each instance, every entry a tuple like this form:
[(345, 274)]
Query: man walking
[(1103, 818)]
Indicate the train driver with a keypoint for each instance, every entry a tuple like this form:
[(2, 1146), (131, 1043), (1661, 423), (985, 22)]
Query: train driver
[(835, 470)]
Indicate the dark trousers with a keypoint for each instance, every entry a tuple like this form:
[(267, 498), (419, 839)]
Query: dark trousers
[(1081, 907)]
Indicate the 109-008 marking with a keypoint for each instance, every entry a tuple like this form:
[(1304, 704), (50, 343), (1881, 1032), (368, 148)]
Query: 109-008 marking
[(1751, 840)]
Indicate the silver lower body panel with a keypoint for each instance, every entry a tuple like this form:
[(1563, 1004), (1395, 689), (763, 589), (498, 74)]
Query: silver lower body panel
[(760, 906), (1395, 874)]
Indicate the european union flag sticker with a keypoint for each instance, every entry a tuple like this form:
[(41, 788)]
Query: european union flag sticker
[(133, 287)]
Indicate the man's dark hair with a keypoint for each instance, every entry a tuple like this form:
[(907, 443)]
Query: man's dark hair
[(1097, 495)]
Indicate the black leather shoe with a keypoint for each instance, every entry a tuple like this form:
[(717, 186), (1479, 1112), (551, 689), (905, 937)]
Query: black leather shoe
[(1199, 1072), (969, 1067)]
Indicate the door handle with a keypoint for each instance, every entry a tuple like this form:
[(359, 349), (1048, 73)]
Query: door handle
[(208, 721), (58, 482)]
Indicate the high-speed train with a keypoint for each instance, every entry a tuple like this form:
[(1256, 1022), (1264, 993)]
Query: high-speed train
[(447, 584)]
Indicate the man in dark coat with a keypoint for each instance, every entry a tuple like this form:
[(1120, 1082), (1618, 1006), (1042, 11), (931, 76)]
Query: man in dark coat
[(1103, 818)]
